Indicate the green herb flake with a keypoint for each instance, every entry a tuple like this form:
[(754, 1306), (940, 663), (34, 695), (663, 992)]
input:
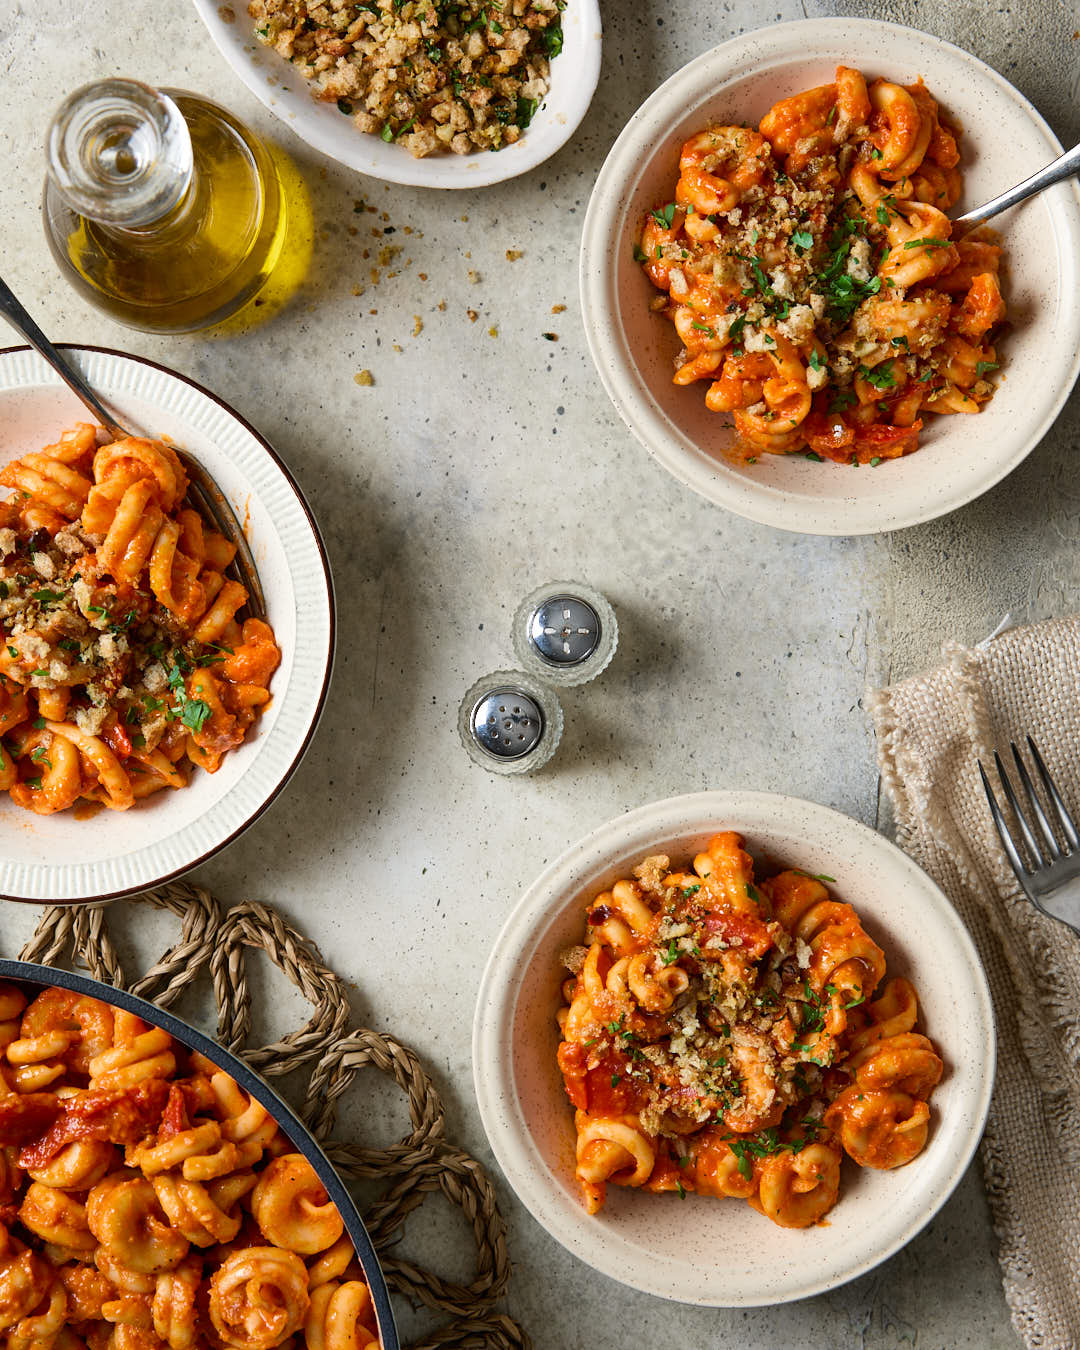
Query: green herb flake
[(981, 367), (801, 240), (664, 216)]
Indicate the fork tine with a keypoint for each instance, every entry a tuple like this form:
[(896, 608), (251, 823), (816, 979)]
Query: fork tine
[(1037, 807), (1068, 826), (1021, 819), (1002, 828)]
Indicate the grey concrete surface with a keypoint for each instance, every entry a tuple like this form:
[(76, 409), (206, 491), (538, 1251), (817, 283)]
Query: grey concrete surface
[(476, 467)]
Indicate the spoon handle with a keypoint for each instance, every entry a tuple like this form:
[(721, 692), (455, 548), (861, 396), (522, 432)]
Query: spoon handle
[(1063, 167), (24, 324)]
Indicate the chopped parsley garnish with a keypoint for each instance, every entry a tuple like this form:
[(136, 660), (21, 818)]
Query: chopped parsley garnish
[(47, 597), (664, 215), (12, 652), (981, 367), (640, 255), (553, 40), (815, 360), (801, 240), (688, 891), (875, 461), (882, 214), (843, 294), (703, 328), (881, 377), (616, 1079), (38, 724), (814, 876), (681, 1189), (672, 954), (927, 243), (387, 133), (344, 106), (34, 783), (810, 454)]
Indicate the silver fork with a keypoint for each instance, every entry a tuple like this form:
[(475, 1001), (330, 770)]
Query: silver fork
[(203, 493), (1052, 883)]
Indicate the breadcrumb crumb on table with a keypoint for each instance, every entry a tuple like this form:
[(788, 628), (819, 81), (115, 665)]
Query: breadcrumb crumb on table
[(364, 377)]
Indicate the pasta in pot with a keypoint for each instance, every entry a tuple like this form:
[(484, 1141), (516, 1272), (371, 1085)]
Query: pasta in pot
[(722, 1035), (125, 659), (147, 1203), (811, 274)]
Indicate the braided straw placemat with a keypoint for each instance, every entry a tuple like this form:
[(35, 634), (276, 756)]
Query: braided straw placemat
[(216, 943)]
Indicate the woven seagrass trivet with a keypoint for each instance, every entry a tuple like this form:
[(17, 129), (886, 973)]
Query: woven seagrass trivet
[(215, 944)]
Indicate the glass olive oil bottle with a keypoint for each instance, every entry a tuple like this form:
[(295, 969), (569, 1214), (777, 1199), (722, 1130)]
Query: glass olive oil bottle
[(160, 207)]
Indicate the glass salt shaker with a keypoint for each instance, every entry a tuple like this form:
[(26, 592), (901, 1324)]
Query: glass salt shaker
[(159, 206), (509, 723), (564, 633)]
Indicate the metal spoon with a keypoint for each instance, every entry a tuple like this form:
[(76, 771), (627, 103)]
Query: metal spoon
[(203, 493), (1065, 166)]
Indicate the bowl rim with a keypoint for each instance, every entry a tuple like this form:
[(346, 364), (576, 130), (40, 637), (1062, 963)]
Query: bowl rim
[(504, 1122), (320, 706), (253, 1084), (431, 171), (598, 290)]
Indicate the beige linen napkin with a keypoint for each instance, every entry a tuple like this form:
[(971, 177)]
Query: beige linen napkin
[(930, 732)]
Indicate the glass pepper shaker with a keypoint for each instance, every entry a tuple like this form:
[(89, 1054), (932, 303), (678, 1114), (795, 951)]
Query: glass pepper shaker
[(159, 206), (564, 633), (509, 723)]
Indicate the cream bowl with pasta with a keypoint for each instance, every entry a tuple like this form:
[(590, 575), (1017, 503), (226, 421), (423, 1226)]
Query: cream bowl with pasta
[(136, 687), (774, 297), (657, 1216)]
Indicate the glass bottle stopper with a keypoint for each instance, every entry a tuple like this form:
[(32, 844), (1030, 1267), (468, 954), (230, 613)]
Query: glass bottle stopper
[(509, 723), (120, 152), (565, 633)]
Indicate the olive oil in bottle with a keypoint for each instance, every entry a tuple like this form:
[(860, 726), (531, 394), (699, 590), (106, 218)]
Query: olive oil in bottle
[(160, 207)]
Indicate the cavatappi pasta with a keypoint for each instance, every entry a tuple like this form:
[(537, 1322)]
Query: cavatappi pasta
[(810, 271), (733, 1037), (123, 661), (148, 1203)]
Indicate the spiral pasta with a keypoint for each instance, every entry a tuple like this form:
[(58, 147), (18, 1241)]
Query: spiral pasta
[(125, 659), (811, 274), (733, 1037), (148, 1203)]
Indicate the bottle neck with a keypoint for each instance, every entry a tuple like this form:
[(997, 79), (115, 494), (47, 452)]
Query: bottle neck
[(120, 152)]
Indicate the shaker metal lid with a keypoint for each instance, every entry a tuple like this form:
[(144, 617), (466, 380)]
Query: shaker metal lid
[(564, 630), (507, 722)]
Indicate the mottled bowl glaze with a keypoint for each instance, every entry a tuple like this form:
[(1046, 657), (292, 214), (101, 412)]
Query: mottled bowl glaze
[(719, 1252), (960, 457)]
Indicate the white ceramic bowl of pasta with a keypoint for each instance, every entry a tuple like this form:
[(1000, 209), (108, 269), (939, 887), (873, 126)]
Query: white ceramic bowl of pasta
[(282, 89), (960, 457), (719, 1252), (59, 859)]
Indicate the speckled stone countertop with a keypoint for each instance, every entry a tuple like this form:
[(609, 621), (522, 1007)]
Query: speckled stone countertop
[(484, 460)]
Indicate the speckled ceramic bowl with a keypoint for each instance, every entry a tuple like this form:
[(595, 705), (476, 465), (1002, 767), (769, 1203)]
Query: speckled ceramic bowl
[(960, 457), (281, 87), (34, 978), (719, 1252)]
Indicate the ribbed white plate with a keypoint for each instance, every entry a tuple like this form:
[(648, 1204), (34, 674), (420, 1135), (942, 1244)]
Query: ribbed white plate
[(280, 86), (59, 859)]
